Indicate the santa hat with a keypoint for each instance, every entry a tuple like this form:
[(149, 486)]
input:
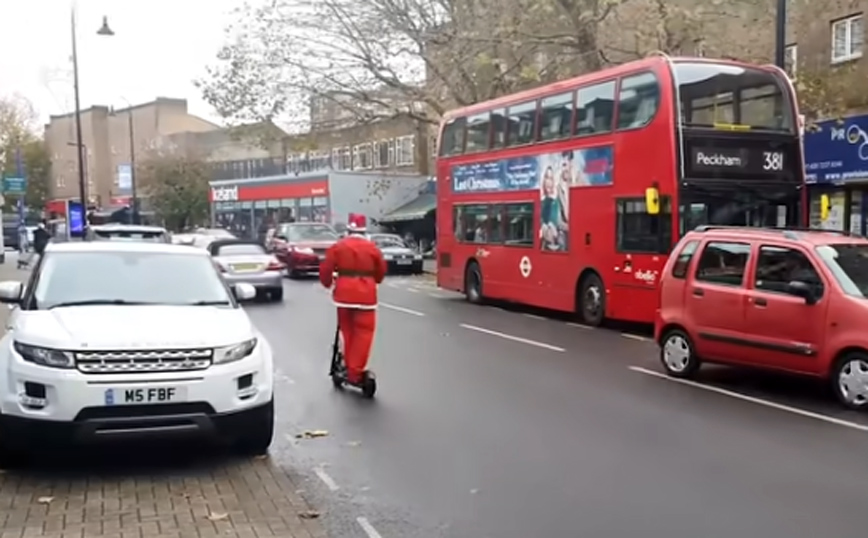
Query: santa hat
[(357, 223)]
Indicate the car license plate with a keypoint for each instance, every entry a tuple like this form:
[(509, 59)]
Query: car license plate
[(405, 262), (145, 395), (322, 257), (246, 267)]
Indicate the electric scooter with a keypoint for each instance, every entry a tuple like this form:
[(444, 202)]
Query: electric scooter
[(338, 372)]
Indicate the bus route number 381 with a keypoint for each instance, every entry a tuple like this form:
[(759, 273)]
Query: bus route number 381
[(773, 161)]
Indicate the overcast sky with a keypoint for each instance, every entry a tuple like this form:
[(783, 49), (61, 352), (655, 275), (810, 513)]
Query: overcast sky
[(158, 48)]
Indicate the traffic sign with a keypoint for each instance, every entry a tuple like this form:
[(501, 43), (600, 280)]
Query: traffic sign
[(14, 185), (525, 266)]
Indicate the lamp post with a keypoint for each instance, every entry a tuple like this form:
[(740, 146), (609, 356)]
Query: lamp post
[(105, 31), (781, 34), (132, 134)]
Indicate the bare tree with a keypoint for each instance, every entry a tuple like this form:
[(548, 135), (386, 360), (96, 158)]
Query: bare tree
[(388, 58)]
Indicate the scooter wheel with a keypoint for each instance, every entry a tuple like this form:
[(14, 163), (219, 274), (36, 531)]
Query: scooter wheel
[(369, 388), (338, 382)]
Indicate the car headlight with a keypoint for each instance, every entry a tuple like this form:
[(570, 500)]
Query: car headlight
[(303, 250), (53, 358), (235, 352), (387, 257)]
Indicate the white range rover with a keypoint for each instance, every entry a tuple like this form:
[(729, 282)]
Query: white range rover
[(125, 340)]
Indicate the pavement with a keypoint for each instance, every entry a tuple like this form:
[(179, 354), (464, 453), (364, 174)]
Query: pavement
[(489, 423), (507, 423), (160, 491)]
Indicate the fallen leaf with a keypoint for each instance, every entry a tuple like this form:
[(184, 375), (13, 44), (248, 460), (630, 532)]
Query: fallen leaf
[(45, 500), (217, 516), (309, 514)]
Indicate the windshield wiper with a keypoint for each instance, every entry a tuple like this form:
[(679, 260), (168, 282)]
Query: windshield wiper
[(95, 302), (208, 303)]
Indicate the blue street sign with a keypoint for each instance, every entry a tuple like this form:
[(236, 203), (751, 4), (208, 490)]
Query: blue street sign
[(14, 185)]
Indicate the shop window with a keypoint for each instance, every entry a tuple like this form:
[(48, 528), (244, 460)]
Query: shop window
[(478, 132), (723, 263), (556, 117), (595, 108), (639, 232), (519, 224), (521, 124)]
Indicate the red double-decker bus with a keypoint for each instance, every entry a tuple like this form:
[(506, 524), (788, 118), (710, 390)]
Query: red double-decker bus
[(570, 196)]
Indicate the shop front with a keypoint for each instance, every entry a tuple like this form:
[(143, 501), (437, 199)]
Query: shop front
[(248, 207), (836, 163)]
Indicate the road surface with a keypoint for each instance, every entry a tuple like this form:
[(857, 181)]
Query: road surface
[(495, 423)]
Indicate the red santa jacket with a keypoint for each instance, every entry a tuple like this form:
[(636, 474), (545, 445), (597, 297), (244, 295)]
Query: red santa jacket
[(359, 266)]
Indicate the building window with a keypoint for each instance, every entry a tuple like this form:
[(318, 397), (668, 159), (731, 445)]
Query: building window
[(847, 39), (336, 159), (362, 157), (319, 160), (791, 60), (384, 153), (346, 162), (405, 150)]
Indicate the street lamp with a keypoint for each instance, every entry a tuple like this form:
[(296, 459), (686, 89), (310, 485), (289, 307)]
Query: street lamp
[(106, 31), (135, 202), (781, 34)]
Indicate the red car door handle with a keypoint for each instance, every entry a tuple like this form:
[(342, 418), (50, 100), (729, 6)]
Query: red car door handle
[(760, 302), (698, 292)]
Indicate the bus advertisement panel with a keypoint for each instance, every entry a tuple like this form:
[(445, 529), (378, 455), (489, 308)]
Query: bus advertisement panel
[(571, 196)]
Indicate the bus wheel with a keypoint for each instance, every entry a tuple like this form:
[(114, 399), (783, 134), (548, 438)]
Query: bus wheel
[(592, 300), (473, 283)]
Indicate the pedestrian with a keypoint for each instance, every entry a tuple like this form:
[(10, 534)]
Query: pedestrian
[(360, 268), (41, 237)]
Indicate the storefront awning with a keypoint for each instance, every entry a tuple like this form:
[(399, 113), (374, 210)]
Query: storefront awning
[(413, 210)]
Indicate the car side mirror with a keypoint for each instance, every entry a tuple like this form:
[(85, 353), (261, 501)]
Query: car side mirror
[(281, 237), (11, 292), (244, 291), (803, 290)]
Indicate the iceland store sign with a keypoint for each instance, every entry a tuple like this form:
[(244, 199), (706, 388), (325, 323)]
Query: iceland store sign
[(837, 152)]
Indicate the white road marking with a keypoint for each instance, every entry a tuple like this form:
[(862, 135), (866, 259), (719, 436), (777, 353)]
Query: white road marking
[(533, 316), (438, 296), (636, 337), (368, 528), (513, 338), (326, 479), (579, 326), (402, 309), (758, 401), (412, 290)]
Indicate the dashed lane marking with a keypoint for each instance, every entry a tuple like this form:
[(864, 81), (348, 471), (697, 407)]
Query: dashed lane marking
[(579, 326), (533, 316), (368, 528), (402, 309), (754, 400), (326, 479), (636, 337), (513, 338), (413, 290)]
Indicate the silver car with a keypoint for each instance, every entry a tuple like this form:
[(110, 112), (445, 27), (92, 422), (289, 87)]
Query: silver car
[(127, 232), (243, 260)]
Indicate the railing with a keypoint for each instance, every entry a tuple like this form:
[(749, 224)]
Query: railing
[(247, 168)]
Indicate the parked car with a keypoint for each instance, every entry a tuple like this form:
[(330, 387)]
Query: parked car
[(399, 257), (131, 340), (301, 246), (245, 260), (788, 300), (127, 232)]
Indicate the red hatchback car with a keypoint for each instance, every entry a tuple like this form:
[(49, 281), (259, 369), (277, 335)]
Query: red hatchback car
[(301, 246), (780, 299)]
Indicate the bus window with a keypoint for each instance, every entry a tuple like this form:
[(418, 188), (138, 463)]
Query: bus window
[(519, 224), (495, 226), (478, 131), (595, 108), (472, 223), (498, 128), (521, 126), (452, 140), (556, 117), (638, 101), (639, 232)]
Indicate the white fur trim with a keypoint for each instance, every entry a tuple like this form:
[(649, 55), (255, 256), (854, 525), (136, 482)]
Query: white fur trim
[(355, 306)]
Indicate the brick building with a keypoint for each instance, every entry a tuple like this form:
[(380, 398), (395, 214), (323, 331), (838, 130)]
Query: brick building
[(106, 140), (826, 49)]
